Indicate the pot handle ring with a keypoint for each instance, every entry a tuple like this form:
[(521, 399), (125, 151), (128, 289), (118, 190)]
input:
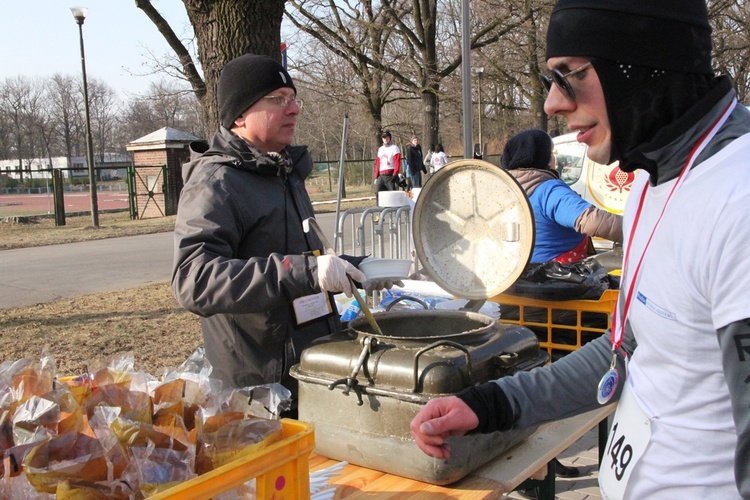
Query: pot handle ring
[(401, 298), (351, 382), (433, 346)]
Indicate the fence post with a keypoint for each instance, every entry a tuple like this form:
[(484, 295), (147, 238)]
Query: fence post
[(58, 196), (132, 200)]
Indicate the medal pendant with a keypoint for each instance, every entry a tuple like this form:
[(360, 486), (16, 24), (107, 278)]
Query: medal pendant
[(607, 386)]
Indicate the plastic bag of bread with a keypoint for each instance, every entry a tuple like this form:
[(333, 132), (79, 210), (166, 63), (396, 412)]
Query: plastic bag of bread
[(72, 455), (238, 422), (41, 417), (120, 370), (27, 377), (152, 469)]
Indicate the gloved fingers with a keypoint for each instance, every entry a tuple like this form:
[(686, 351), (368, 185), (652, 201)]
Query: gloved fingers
[(355, 273), (332, 274)]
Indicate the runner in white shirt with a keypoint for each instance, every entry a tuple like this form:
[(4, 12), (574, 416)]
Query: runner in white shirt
[(387, 165), (635, 79)]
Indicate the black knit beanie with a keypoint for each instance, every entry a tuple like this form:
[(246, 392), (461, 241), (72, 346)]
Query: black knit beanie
[(652, 57), (527, 149), (665, 34), (244, 81)]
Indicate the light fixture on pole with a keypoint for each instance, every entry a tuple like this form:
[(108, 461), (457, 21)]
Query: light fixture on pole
[(79, 13)]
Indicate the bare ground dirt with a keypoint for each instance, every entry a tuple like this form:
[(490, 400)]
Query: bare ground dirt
[(84, 331)]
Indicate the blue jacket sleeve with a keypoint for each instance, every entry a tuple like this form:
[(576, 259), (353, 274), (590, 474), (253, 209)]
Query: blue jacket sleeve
[(560, 203)]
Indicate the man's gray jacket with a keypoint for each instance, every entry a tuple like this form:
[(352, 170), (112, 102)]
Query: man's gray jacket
[(241, 258)]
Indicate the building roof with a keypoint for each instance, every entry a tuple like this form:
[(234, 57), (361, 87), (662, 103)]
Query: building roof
[(162, 137)]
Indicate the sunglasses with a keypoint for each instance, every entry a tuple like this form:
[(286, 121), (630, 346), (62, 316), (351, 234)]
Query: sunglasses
[(561, 80)]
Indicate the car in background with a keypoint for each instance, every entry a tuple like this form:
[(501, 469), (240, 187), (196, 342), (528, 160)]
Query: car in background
[(604, 186)]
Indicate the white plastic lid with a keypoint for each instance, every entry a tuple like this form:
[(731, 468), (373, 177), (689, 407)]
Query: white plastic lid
[(473, 229)]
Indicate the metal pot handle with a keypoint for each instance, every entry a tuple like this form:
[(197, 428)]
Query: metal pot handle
[(351, 382), (433, 346), (406, 297)]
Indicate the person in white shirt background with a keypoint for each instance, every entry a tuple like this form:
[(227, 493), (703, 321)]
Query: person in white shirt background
[(439, 159)]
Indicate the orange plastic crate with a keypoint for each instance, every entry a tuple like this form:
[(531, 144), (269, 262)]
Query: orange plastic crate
[(561, 326), (281, 470)]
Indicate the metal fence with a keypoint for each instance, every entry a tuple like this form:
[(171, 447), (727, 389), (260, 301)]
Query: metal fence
[(26, 192), (376, 231), (356, 172), (33, 192)]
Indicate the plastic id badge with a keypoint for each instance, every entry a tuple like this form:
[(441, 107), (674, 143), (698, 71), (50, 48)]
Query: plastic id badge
[(311, 307)]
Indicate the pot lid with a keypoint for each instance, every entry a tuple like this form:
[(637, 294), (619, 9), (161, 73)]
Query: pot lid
[(473, 229)]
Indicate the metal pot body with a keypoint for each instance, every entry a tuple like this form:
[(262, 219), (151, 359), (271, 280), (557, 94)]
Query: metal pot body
[(361, 391)]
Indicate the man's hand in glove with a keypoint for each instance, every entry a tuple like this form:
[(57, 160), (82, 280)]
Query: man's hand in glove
[(377, 285), (332, 274)]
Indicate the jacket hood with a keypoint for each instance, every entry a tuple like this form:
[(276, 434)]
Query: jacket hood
[(228, 148), (532, 178)]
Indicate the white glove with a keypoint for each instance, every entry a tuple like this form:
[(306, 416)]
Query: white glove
[(377, 285), (332, 274)]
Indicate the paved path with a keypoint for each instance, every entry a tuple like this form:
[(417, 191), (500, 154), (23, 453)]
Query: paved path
[(43, 274)]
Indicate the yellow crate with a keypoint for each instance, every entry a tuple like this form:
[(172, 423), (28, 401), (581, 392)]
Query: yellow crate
[(280, 470), (561, 326)]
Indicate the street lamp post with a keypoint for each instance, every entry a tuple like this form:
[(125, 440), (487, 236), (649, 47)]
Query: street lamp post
[(79, 13), (468, 103), (480, 72)]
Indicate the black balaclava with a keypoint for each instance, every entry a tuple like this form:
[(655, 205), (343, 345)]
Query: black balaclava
[(527, 149), (652, 57)]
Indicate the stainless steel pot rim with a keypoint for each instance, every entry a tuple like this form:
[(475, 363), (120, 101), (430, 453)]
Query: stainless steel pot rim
[(484, 324)]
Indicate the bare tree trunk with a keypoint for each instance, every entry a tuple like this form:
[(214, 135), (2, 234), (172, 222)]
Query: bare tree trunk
[(224, 29), (537, 95), (430, 117)]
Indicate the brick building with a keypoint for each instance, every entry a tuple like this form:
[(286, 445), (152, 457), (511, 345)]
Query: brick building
[(157, 167)]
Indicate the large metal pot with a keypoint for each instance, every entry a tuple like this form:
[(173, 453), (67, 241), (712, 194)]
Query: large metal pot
[(474, 234), (389, 378)]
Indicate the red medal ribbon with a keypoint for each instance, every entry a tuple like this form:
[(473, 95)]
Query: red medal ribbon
[(618, 319)]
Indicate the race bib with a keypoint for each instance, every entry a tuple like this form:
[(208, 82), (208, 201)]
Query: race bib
[(628, 439)]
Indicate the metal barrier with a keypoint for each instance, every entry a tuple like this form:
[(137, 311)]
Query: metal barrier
[(383, 232)]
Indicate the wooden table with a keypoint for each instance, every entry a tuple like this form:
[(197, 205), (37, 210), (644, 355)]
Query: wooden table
[(502, 475)]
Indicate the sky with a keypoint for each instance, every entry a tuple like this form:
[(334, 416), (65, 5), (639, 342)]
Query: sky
[(40, 38)]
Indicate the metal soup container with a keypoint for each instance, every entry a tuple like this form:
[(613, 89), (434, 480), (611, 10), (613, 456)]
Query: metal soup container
[(473, 233)]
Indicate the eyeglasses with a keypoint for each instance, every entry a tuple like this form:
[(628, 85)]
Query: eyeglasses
[(561, 80), (284, 100)]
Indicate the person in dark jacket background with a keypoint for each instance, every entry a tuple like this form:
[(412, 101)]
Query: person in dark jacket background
[(242, 260), (563, 220), (416, 162)]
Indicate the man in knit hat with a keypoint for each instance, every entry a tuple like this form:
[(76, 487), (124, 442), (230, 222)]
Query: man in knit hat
[(242, 260), (634, 78)]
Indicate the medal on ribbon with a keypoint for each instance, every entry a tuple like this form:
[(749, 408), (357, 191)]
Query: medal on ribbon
[(608, 384)]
